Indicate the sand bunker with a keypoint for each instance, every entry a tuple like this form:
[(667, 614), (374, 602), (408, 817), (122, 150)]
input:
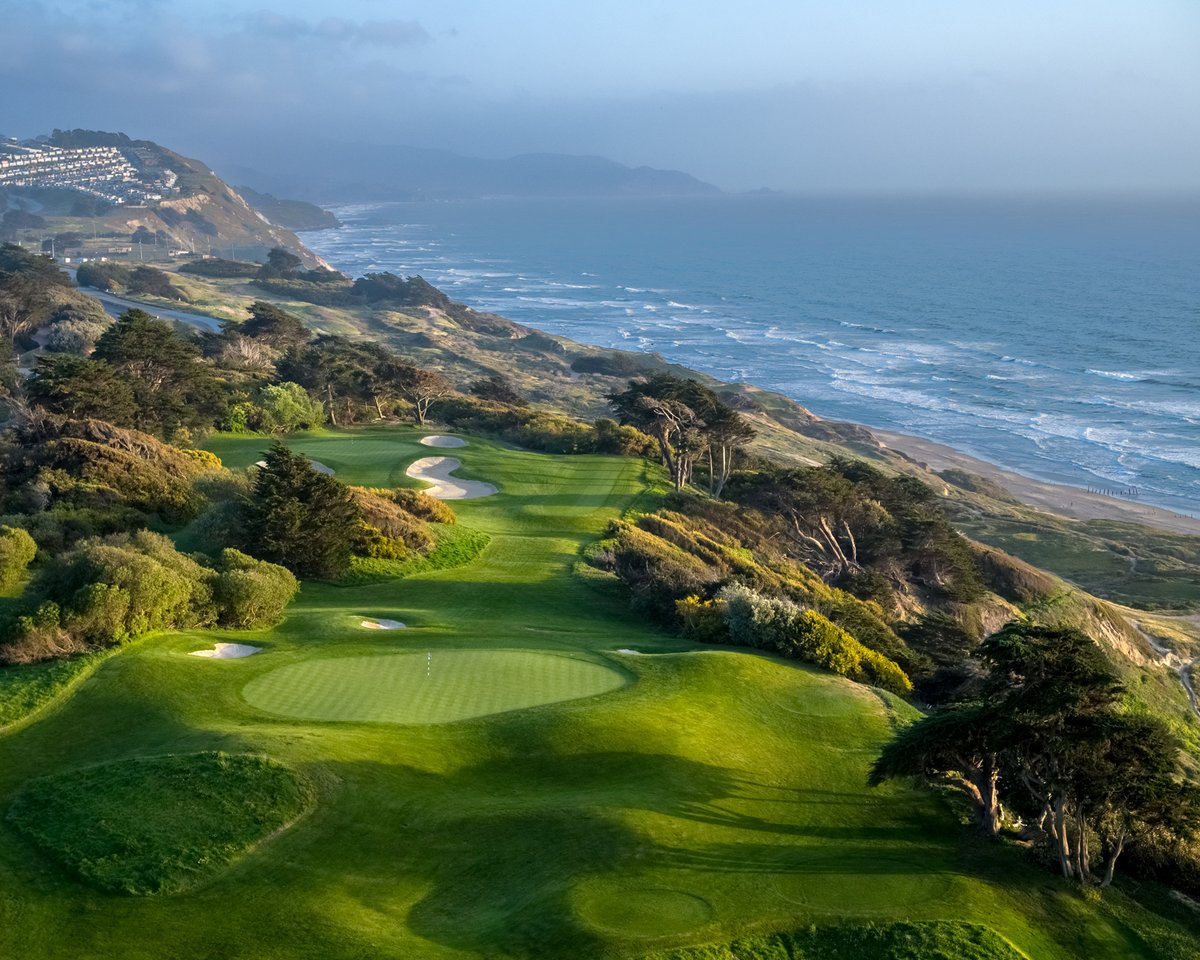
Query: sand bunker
[(439, 441), (227, 651), (436, 471), (383, 624), (632, 653), (316, 465)]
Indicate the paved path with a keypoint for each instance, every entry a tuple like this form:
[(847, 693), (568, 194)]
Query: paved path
[(118, 305)]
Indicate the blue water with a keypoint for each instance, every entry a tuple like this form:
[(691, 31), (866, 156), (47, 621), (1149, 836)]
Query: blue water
[(1059, 339)]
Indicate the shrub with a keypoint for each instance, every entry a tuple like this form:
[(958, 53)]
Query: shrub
[(17, 550), (103, 276), (251, 593), (421, 505), (391, 521), (76, 326), (658, 573), (793, 631), (286, 407), (703, 620), (106, 591)]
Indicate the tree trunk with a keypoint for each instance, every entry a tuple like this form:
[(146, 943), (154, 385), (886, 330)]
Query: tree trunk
[(332, 411), (1082, 857), (993, 812), (1063, 840), (1110, 865)]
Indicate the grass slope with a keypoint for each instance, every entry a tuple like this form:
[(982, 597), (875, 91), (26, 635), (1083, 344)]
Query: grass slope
[(160, 824), (718, 794), (934, 940)]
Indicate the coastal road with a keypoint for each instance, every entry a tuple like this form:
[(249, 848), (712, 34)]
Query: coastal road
[(118, 305)]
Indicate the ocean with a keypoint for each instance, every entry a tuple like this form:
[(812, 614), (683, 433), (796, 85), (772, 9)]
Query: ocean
[(1059, 339)]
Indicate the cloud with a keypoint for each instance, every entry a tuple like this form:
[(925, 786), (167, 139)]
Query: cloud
[(393, 33), (271, 24)]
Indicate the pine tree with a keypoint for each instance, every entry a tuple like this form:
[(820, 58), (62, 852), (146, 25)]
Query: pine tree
[(300, 518)]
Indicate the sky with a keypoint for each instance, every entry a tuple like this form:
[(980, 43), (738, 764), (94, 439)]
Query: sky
[(838, 96)]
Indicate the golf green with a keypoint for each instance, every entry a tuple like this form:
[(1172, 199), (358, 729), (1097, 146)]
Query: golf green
[(423, 687)]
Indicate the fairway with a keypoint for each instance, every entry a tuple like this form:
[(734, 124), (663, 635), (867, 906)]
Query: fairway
[(416, 688), (527, 791)]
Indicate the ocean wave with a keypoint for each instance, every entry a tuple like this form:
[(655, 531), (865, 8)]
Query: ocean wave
[(1116, 375)]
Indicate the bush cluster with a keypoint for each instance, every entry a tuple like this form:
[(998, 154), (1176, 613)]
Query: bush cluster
[(786, 628), (109, 590)]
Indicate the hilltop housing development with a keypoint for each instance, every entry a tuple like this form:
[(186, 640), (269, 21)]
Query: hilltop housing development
[(104, 172)]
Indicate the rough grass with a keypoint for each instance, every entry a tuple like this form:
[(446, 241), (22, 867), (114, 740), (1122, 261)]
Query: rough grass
[(935, 940), (28, 688), (419, 687), (719, 791), (455, 546), (159, 824)]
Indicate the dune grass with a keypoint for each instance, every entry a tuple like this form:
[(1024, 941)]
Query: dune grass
[(717, 794)]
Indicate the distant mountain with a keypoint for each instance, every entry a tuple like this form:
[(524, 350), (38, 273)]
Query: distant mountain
[(348, 173), (289, 214)]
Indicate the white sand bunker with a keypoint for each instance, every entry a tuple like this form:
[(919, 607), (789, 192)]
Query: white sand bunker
[(227, 651), (382, 625), (440, 441), (436, 471), (315, 464), (632, 653)]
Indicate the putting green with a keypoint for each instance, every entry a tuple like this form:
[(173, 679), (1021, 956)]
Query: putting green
[(411, 688)]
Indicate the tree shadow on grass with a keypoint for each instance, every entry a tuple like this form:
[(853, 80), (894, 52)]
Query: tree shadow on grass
[(502, 843)]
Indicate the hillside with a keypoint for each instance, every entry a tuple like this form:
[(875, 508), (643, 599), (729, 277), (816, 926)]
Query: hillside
[(289, 214), (199, 213)]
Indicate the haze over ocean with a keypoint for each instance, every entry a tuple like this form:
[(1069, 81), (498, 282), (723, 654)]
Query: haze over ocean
[(1060, 338)]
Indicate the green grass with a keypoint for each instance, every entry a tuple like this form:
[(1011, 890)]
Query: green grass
[(160, 824), (26, 689), (934, 940), (420, 688), (455, 546), (717, 794)]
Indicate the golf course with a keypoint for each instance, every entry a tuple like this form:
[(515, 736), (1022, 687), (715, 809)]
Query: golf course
[(516, 765)]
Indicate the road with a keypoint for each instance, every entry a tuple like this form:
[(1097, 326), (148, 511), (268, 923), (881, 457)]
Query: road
[(118, 305)]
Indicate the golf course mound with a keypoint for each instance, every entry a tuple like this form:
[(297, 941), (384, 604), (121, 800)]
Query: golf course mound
[(436, 472), (827, 882), (631, 911), (416, 688), (440, 441), (158, 824)]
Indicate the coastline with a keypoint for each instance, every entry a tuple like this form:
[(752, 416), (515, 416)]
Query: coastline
[(1065, 501), (1061, 499)]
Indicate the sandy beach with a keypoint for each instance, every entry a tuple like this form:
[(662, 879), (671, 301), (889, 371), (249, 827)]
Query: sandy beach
[(1053, 497)]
